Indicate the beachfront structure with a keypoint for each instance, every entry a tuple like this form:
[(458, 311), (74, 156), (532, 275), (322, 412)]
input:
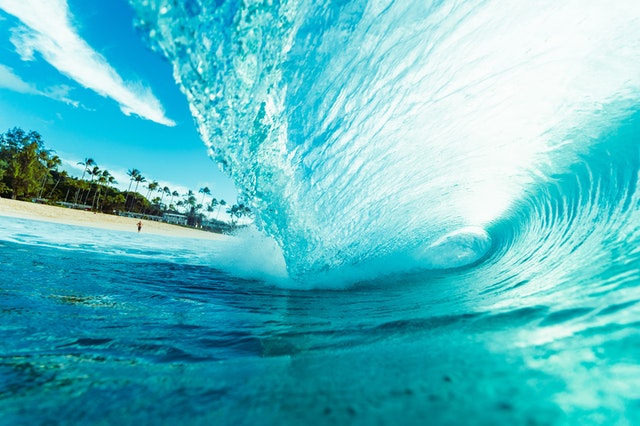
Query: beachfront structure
[(67, 205), (141, 216), (177, 219)]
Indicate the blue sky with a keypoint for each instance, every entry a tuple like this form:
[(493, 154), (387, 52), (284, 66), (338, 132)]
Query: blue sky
[(77, 72)]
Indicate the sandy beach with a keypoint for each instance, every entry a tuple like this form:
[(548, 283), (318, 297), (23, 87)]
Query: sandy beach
[(27, 210)]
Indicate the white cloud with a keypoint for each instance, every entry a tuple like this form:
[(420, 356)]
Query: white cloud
[(11, 81), (48, 30), (60, 93)]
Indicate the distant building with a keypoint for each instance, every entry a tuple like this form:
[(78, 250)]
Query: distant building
[(71, 205), (177, 219), (140, 216)]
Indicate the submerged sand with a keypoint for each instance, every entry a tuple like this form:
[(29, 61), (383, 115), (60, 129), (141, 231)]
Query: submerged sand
[(46, 213)]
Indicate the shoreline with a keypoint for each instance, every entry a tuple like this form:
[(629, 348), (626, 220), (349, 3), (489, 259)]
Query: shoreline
[(67, 216)]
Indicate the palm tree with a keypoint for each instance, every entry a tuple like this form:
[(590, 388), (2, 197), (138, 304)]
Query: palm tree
[(190, 207), (173, 194), (139, 179), (52, 164), (238, 211), (190, 199), (82, 185), (151, 186), (93, 173), (62, 175), (213, 205), (111, 180), (232, 211), (220, 204), (164, 191), (158, 200), (132, 173), (88, 162), (204, 191), (104, 179)]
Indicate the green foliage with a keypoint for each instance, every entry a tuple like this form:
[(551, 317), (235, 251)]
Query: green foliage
[(3, 167), (29, 171), (25, 162)]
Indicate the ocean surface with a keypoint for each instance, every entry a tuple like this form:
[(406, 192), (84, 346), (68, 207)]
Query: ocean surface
[(107, 327), (447, 221)]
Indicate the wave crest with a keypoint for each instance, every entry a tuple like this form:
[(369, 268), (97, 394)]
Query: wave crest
[(362, 131)]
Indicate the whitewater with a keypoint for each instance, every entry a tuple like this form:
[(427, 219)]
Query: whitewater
[(447, 228)]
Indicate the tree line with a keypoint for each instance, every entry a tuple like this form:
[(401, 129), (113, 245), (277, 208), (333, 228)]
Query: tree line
[(30, 171)]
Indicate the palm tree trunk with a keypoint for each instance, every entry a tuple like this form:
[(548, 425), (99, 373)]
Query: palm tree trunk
[(86, 197), (54, 188), (44, 180), (133, 203), (94, 197), (127, 197), (88, 192)]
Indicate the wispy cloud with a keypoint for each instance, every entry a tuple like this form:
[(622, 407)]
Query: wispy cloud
[(11, 81), (48, 30), (60, 93)]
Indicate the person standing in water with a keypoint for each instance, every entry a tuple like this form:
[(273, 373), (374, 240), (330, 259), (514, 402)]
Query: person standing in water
[(139, 226)]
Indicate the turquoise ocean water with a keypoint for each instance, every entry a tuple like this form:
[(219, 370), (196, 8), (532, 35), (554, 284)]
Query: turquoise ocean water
[(446, 196)]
